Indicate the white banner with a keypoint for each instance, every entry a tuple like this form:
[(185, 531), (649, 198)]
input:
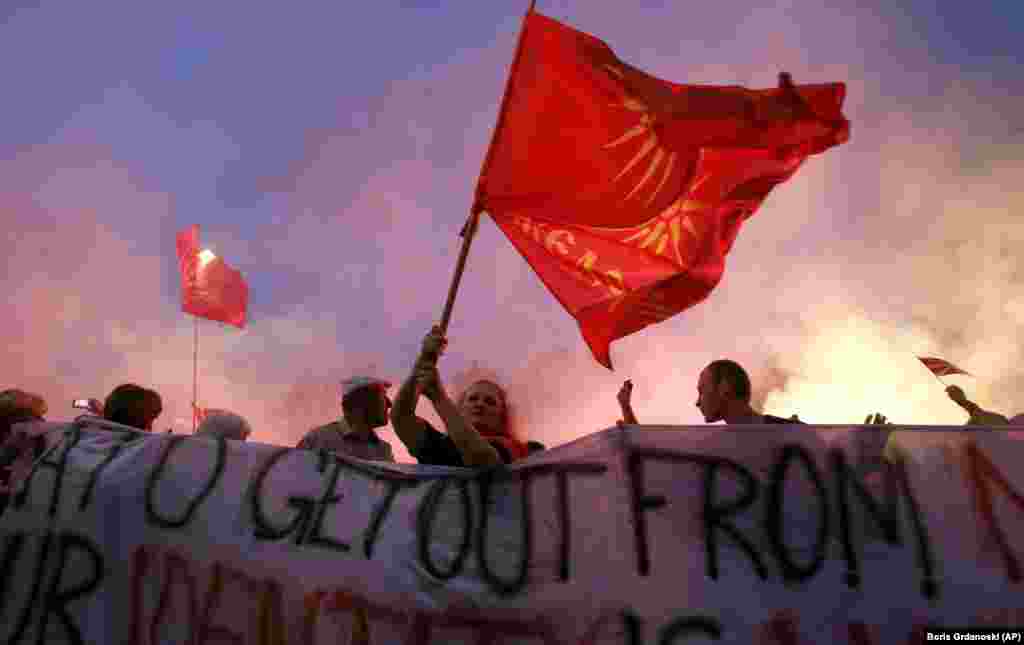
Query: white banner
[(769, 534)]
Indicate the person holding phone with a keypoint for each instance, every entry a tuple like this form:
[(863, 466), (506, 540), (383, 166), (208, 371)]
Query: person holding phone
[(92, 406)]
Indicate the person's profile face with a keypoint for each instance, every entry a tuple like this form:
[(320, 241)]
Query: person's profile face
[(39, 406), (709, 401), (154, 415), (380, 408)]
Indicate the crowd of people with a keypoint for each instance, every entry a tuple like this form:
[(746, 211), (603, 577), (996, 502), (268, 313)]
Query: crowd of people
[(477, 427)]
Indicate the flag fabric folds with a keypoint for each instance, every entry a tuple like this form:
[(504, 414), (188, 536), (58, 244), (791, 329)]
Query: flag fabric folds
[(940, 367), (625, 192), (210, 289)]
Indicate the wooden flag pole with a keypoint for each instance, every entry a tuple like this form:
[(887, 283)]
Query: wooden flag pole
[(195, 372), (467, 233), (469, 229)]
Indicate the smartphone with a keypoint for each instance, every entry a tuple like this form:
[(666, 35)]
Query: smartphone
[(81, 404)]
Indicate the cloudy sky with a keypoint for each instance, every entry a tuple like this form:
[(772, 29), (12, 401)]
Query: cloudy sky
[(329, 151)]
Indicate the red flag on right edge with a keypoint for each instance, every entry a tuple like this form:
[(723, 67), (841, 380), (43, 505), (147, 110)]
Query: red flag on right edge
[(940, 367)]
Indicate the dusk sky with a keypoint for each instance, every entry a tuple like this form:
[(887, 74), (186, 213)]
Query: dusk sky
[(329, 151)]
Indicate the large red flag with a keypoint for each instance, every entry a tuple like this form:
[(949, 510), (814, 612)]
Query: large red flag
[(210, 288), (625, 192)]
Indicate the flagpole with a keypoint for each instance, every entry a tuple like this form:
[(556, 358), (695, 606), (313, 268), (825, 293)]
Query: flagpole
[(195, 371), (469, 228), (468, 232)]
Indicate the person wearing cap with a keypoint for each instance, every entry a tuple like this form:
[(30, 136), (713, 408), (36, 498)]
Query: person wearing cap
[(365, 406), (723, 394)]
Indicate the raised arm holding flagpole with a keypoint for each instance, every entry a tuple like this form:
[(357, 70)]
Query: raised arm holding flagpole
[(978, 416), (625, 192)]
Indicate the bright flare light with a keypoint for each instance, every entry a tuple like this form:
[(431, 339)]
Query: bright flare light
[(206, 256)]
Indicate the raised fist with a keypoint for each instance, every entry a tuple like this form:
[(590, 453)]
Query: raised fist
[(434, 344), (625, 394)]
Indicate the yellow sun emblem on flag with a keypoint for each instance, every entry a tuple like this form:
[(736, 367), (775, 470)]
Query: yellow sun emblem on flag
[(664, 232), (651, 145), (656, 235)]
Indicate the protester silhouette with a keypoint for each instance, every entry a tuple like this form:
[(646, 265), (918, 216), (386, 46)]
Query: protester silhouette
[(132, 405), (977, 415), (477, 422), (17, 406), (723, 394), (625, 398), (365, 406)]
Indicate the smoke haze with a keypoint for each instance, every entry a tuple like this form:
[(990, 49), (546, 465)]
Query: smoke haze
[(332, 161)]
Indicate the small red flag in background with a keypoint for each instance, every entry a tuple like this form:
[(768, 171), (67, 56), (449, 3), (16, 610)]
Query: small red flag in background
[(210, 289), (940, 367), (625, 192)]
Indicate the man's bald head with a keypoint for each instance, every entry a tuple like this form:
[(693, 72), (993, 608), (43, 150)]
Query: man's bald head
[(721, 383)]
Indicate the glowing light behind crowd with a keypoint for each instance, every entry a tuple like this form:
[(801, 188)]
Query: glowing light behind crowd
[(336, 168)]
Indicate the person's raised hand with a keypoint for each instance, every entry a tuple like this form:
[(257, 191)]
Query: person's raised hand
[(956, 394), (434, 344), (429, 381), (625, 394), (876, 419)]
